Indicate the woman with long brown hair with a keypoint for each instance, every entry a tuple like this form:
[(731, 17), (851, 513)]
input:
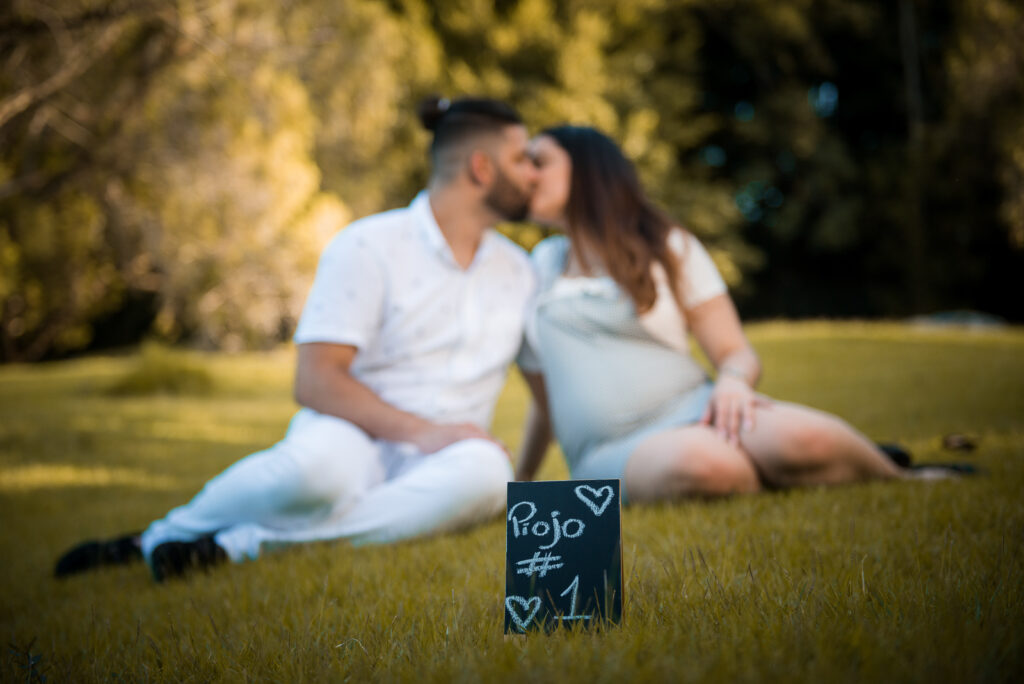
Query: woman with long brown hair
[(608, 362)]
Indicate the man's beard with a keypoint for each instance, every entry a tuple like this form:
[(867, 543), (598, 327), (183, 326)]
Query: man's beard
[(508, 201)]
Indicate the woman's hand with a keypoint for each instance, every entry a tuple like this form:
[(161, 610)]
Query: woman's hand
[(716, 325), (731, 408)]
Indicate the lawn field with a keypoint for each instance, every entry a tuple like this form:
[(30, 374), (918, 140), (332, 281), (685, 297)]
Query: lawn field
[(920, 582)]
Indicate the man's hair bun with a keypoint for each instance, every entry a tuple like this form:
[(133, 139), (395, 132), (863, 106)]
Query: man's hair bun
[(431, 110)]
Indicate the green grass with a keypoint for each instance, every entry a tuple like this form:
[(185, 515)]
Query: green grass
[(887, 581), (159, 370)]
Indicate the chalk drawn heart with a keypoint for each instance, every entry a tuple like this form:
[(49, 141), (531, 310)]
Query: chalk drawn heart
[(530, 609), (592, 497)]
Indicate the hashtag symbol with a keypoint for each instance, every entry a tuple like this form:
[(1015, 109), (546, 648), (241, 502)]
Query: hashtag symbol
[(539, 565)]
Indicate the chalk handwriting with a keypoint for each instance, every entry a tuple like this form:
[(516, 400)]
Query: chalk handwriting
[(529, 610), (555, 560), (574, 586), (592, 497), (570, 528), (538, 564)]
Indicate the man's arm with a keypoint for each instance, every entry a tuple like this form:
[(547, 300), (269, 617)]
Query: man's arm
[(536, 432), (323, 383)]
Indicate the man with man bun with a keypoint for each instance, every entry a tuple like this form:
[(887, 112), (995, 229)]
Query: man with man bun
[(403, 347)]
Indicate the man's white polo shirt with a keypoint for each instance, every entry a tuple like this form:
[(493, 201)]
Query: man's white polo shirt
[(434, 339)]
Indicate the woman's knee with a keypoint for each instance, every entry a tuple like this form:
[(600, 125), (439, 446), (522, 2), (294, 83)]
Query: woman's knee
[(716, 473), (697, 464)]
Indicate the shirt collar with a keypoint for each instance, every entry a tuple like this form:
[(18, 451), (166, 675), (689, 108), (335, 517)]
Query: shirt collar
[(434, 238)]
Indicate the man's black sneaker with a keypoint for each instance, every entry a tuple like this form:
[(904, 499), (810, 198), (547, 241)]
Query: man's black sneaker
[(95, 553), (175, 559)]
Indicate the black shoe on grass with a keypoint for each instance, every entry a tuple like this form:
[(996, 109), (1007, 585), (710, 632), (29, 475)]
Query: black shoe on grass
[(896, 453), (176, 559), (94, 554)]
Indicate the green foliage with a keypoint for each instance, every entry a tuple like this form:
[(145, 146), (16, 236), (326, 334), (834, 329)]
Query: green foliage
[(159, 370), (241, 214), (860, 138), (199, 155), (56, 276), (363, 72), (986, 67), (902, 582), (197, 159)]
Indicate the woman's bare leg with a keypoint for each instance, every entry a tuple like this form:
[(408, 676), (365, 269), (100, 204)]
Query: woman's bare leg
[(793, 445), (688, 461)]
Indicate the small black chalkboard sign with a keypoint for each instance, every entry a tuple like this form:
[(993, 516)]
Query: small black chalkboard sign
[(563, 554)]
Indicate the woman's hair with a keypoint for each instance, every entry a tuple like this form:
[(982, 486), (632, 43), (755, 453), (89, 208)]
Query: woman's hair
[(610, 216)]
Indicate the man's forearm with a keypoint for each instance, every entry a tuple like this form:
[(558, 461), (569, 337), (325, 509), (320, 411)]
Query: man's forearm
[(337, 393), (323, 383)]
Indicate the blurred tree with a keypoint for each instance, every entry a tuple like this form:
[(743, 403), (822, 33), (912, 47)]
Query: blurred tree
[(177, 161), (66, 77), (365, 66), (228, 196), (770, 72), (860, 169), (174, 167), (980, 152)]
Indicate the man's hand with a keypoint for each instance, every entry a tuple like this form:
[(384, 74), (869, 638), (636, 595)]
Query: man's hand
[(435, 437)]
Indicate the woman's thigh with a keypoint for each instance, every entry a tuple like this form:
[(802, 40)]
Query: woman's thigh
[(794, 445), (687, 461)]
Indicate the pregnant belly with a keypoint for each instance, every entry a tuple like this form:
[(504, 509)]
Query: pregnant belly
[(609, 402)]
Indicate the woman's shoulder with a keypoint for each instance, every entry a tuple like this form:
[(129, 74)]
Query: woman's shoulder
[(690, 251), (679, 240), (551, 246), (700, 277), (549, 256)]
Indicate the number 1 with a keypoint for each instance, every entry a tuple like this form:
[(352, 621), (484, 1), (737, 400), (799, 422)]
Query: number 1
[(574, 586)]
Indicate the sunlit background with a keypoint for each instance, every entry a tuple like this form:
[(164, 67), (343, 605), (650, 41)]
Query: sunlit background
[(172, 168)]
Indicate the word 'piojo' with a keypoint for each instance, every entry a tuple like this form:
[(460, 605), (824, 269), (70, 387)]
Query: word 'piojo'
[(521, 527)]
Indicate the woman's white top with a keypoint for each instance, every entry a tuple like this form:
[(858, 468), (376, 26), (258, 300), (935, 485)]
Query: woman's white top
[(610, 373)]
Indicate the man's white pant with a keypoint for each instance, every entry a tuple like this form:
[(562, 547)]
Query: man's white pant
[(328, 480)]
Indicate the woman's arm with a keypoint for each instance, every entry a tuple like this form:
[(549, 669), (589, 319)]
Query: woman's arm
[(536, 432), (717, 329)]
